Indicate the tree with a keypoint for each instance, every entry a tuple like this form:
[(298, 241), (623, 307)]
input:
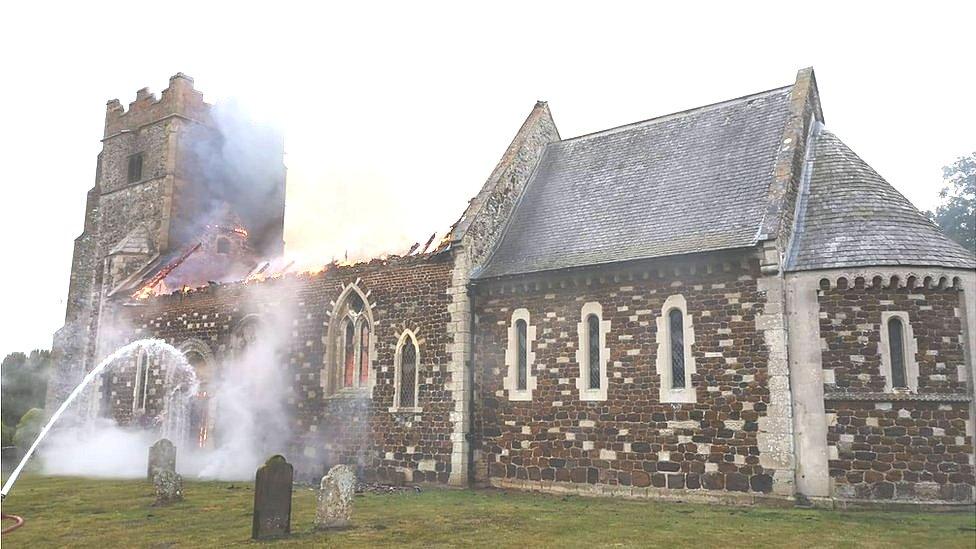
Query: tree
[(957, 213), (23, 384), (29, 428)]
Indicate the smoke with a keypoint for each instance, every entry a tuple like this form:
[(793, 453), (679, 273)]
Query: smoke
[(99, 449), (250, 420)]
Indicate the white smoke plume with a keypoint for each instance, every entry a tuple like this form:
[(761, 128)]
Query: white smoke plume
[(251, 424)]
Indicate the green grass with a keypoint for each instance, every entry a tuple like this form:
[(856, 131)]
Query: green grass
[(74, 512)]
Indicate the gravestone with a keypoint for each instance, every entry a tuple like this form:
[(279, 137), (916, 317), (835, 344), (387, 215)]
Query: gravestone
[(272, 499), (335, 498), (162, 457), (168, 486)]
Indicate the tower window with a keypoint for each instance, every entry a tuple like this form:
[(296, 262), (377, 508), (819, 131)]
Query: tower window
[(135, 168)]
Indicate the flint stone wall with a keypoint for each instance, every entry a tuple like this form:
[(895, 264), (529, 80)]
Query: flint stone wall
[(631, 439), (351, 427), (883, 446)]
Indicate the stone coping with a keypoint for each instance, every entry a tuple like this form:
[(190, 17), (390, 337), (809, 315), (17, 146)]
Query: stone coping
[(725, 497), (721, 497), (892, 397)]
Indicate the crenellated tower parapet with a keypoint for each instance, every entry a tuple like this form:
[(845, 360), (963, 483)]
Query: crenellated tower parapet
[(178, 99)]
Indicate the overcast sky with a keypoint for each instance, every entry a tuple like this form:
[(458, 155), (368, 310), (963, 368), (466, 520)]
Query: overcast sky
[(395, 114)]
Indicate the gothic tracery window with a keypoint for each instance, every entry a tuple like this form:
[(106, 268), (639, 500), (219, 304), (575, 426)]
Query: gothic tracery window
[(350, 346), (363, 352), (407, 377), (349, 354)]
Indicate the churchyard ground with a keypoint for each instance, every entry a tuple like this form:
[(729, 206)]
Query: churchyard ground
[(75, 512)]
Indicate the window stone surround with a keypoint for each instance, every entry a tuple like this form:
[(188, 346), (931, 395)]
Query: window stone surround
[(511, 358), (686, 394), (910, 351), (407, 337), (583, 358)]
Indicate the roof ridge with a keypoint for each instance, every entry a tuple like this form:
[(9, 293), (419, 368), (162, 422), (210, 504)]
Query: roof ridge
[(677, 114)]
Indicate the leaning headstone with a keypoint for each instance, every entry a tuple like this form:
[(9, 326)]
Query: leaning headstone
[(168, 486), (162, 457), (272, 499), (335, 498)]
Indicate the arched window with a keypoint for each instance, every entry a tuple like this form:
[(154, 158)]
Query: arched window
[(140, 391), (406, 366), (201, 404), (363, 352), (223, 246), (898, 350), (350, 353), (592, 354), (675, 360), (519, 381), (593, 351), (521, 331), (896, 342), (677, 336), (246, 337)]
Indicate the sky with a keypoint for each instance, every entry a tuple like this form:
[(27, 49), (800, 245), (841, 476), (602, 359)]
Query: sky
[(394, 114)]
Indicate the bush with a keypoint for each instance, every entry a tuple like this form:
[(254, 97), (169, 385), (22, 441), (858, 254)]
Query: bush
[(8, 435), (29, 427)]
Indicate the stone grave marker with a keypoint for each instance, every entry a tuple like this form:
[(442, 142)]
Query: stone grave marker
[(168, 486), (272, 499), (162, 457), (335, 498)]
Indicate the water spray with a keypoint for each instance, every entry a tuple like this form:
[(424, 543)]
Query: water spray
[(142, 344)]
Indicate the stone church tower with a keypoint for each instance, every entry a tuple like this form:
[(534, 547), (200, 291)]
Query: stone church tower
[(177, 179)]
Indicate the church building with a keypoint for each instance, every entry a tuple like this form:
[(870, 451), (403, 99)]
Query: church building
[(723, 304)]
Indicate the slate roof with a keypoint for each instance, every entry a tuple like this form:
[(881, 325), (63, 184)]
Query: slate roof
[(688, 182), (853, 217)]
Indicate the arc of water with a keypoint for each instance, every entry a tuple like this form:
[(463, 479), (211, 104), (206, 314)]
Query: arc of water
[(93, 374)]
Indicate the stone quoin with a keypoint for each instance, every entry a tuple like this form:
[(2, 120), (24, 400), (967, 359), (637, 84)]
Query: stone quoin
[(720, 304)]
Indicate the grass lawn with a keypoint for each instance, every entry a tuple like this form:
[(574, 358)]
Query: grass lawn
[(74, 512)]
